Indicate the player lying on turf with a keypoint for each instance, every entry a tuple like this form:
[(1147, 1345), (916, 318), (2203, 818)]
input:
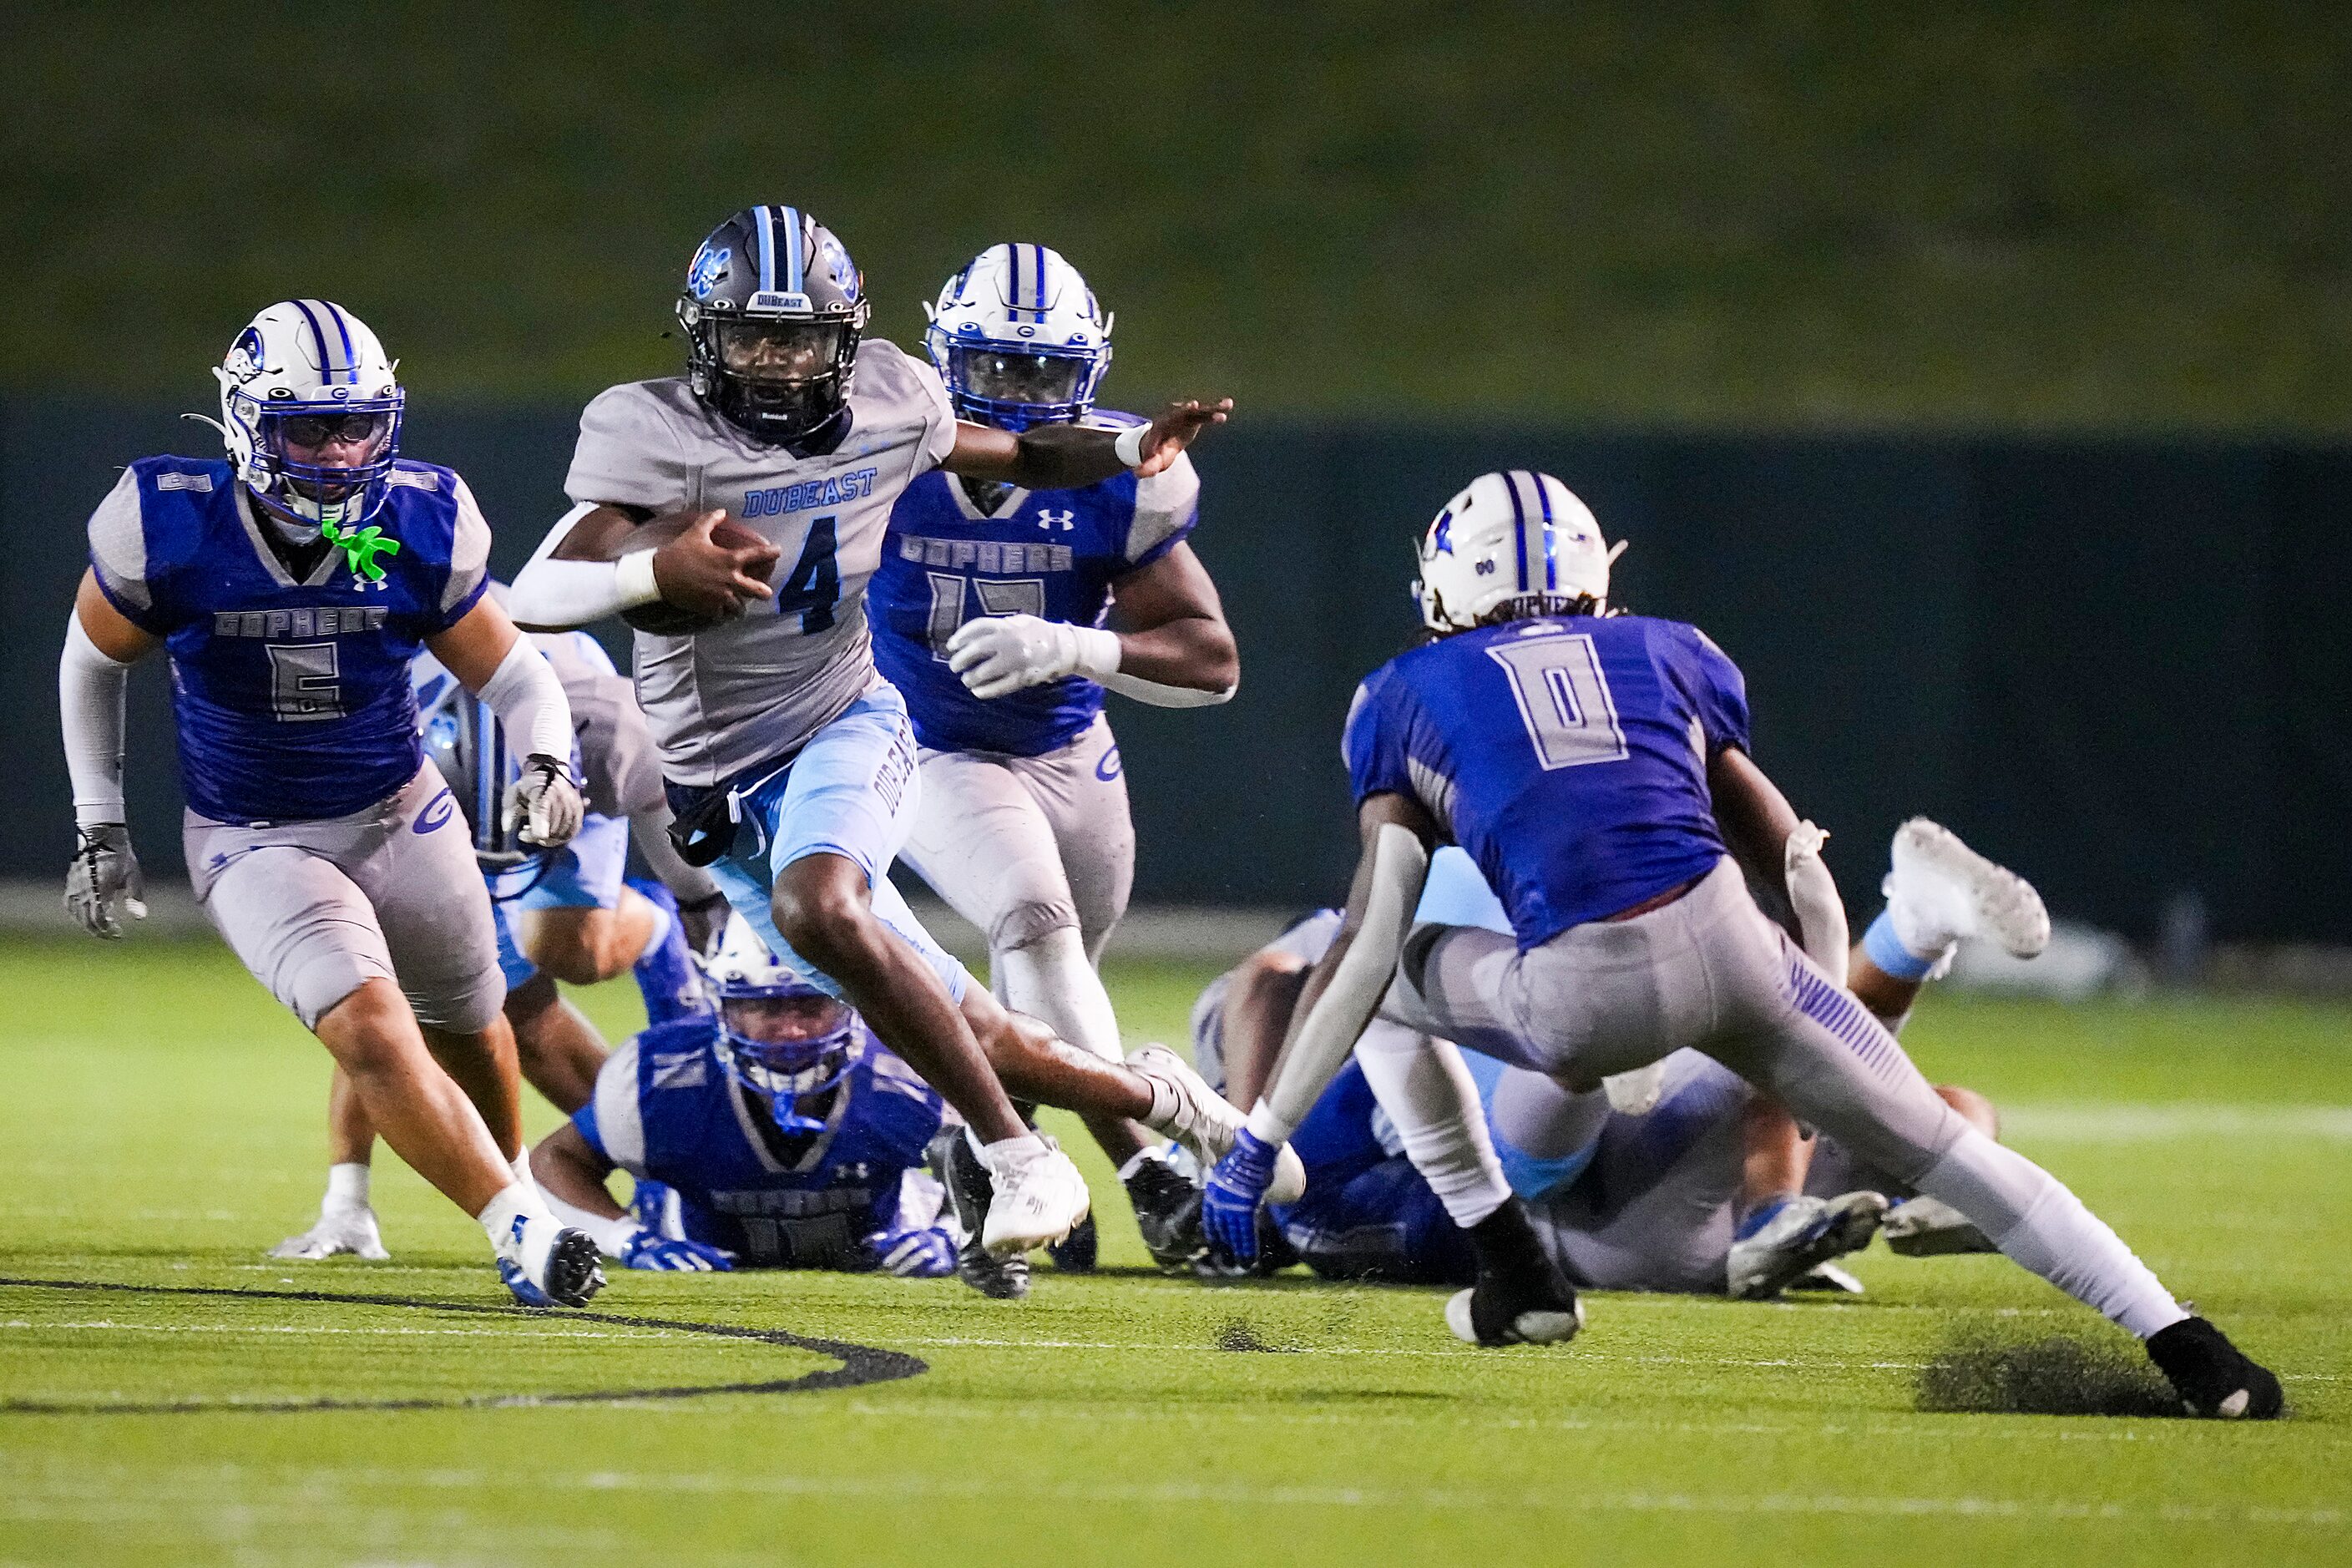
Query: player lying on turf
[(293, 583), (567, 913), (790, 760), (1650, 1199), (1596, 768), (988, 614), (782, 1133)]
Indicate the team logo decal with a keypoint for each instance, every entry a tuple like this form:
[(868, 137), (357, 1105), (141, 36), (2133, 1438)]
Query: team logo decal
[(437, 812), (1108, 768), (709, 269), (1065, 520), (244, 356)]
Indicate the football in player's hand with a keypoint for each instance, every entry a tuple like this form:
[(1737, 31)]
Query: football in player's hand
[(710, 573)]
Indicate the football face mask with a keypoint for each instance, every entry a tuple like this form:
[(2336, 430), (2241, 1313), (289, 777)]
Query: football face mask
[(782, 1043)]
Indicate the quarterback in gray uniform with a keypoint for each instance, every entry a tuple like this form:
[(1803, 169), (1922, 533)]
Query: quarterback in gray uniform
[(772, 467)]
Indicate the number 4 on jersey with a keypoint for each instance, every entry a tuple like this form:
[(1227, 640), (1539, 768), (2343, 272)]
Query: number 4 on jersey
[(814, 586)]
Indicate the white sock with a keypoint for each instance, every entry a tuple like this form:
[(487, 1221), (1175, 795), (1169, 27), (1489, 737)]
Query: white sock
[(2030, 1216), (1431, 1099), (1007, 1152), (1049, 979), (520, 1166), (347, 1185), (518, 1200)]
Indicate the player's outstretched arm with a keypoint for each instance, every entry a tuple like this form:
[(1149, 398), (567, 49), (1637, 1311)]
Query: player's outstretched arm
[(1173, 648), (1778, 849), (101, 647), (498, 664), (570, 1173), (1340, 996), (1067, 456)]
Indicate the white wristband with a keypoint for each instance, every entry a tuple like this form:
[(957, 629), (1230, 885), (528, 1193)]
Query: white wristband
[(634, 574), (1098, 652), (1129, 445)]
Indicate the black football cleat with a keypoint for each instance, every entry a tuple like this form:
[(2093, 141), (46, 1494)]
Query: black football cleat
[(1167, 1212), (998, 1278), (1521, 1297), (2214, 1378), (1077, 1252)]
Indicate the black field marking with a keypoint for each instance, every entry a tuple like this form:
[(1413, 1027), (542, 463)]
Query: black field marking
[(860, 1365)]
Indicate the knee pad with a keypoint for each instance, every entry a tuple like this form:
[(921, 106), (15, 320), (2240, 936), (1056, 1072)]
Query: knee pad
[(462, 1010), (1026, 922), (315, 988)]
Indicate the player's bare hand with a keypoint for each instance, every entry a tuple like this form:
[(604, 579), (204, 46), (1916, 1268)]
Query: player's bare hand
[(1177, 427), (711, 576), (543, 806), (104, 880)]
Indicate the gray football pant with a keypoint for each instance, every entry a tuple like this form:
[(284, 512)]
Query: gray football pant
[(314, 910), (1710, 972)]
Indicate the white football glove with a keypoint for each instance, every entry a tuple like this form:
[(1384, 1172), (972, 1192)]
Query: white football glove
[(104, 872), (544, 804), (999, 655)]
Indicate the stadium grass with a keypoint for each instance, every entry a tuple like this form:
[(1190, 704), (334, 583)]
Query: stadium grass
[(161, 1128)]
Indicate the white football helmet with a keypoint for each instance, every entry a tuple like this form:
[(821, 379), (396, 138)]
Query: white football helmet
[(1018, 339), (1518, 542), (306, 381)]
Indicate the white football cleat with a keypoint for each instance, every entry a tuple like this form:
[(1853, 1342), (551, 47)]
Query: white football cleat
[(1802, 1233), (340, 1230), (1204, 1121), (1940, 890), (546, 1263), (1929, 1227), (1037, 1197)]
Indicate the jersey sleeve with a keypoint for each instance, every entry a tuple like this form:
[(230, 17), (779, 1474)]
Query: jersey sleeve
[(118, 555), (1167, 505), (613, 1121), (629, 454), (470, 558), (1374, 741), (939, 414), (1717, 692)]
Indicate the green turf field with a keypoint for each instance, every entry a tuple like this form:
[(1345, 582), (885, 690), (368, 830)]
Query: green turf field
[(160, 1129)]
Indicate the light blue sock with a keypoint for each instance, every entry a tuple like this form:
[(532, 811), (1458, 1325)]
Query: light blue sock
[(1885, 949)]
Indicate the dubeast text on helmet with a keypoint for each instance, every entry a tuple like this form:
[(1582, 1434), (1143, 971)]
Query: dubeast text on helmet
[(1512, 545), (780, 1037), (771, 309), (1018, 339), (311, 412)]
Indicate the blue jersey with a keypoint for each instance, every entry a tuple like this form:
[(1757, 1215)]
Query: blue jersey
[(292, 698), (1052, 553), (666, 1108), (1568, 755)]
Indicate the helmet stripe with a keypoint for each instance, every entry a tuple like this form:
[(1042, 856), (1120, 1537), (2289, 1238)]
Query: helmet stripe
[(764, 240), (795, 265), (1040, 294), (1551, 554), (317, 336), (1012, 300), (1518, 524), (344, 328)]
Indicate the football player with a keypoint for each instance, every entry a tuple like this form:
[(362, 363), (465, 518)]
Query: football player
[(791, 762), (783, 1134), (1596, 767), (292, 584), (563, 914), (989, 612)]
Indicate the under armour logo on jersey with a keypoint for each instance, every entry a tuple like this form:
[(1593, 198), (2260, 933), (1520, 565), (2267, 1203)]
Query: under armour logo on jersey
[(1065, 520)]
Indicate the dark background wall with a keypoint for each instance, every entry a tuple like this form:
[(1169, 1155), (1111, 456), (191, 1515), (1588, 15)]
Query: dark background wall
[(2122, 664)]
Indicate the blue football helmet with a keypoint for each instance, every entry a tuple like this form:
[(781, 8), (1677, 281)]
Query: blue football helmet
[(1018, 339), (780, 1037), (310, 414)]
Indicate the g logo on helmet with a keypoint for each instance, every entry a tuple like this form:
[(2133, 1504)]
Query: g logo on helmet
[(709, 269), (244, 356)]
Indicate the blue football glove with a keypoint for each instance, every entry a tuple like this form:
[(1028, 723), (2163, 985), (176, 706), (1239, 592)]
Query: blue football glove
[(1229, 1207), (925, 1254), (646, 1250)]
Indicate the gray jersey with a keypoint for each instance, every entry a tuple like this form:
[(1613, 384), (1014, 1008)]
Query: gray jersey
[(719, 700)]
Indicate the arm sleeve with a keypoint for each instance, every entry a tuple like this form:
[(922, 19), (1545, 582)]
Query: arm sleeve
[(470, 560), (1371, 745), (611, 1120), (548, 593), (89, 711), (529, 701), (1167, 505), (118, 555), (629, 454), (1718, 692)]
